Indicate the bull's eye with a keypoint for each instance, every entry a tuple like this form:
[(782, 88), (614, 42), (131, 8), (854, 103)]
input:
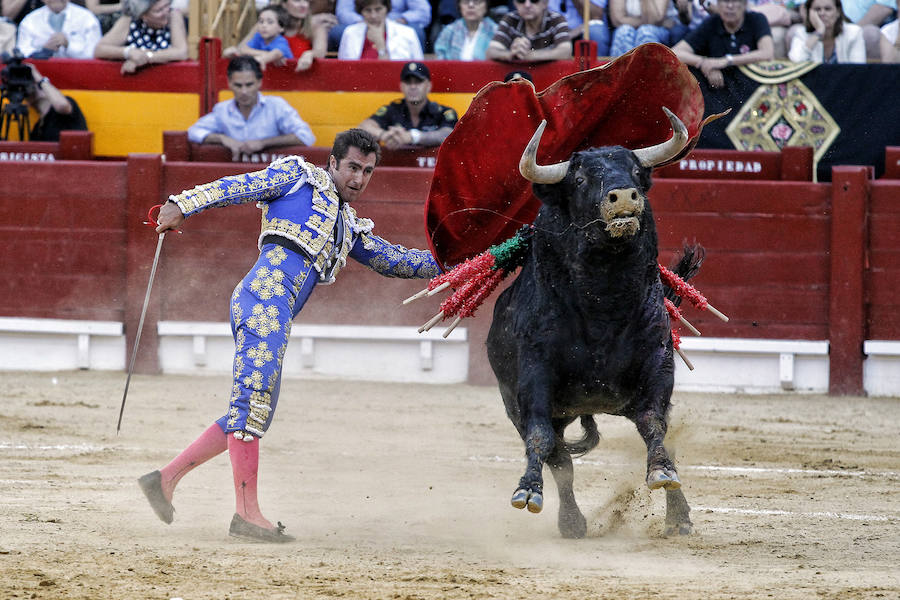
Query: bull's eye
[(579, 180), (635, 172)]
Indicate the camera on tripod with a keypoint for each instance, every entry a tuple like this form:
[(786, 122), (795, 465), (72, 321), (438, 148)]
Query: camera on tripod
[(16, 84)]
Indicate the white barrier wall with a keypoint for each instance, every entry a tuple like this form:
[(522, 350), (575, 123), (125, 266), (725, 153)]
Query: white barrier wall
[(402, 354)]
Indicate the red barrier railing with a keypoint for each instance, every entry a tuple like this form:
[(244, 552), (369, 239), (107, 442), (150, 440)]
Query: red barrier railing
[(786, 259)]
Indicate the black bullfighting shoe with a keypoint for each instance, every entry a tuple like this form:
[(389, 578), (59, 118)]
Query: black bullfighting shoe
[(151, 485), (254, 533)]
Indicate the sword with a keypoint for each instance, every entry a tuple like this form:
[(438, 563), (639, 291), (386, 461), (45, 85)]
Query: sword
[(137, 337)]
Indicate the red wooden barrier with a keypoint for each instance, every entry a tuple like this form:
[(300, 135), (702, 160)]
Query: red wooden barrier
[(786, 260), (72, 145), (849, 200), (882, 283), (176, 147), (791, 164), (892, 162)]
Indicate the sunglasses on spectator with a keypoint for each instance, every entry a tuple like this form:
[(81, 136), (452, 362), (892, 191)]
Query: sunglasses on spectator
[(529, 1)]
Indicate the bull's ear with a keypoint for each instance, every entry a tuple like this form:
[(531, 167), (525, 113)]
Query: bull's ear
[(552, 194)]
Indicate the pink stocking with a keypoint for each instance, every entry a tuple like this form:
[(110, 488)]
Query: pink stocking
[(245, 467), (211, 442)]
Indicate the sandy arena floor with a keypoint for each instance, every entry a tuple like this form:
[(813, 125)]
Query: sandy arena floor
[(402, 491)]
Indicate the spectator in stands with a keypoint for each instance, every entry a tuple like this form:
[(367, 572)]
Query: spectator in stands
[(892, 51), (7, 36), (413, 120), (56, 112), (827, 37), (724, 40), (15, 10), (250, 122), (532, 33), (517, 75), (107, 12), (467, 38), (267, 44), (149, 32), (377, 37), (412, 13), (870, 15), (635, 22), (307, 29), (306, 33), (781, 15), (59, 28), (598, 25)]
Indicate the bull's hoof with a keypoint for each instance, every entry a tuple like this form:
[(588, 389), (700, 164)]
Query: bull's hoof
[(572, 525), (663, 478), (680, 529), (533, 500)]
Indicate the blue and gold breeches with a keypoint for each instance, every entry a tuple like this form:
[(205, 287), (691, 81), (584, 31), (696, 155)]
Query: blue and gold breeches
[(263, 307)]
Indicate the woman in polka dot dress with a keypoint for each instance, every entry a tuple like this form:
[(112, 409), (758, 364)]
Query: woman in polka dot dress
[(149, 32)]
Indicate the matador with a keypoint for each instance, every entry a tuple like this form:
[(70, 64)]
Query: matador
[(309, 228)]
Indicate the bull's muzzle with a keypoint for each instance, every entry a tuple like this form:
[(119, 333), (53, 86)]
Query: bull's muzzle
[(621, 210)]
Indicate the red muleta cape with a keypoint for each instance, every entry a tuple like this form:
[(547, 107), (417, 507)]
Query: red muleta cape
[(478, 198)]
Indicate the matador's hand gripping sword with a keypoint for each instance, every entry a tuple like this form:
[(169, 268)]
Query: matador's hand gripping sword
[(137, 338)]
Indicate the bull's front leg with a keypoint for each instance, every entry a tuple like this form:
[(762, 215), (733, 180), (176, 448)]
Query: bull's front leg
[(539, 439), (661, 471)]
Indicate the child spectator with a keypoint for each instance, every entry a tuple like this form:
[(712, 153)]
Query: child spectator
[(268, 44)]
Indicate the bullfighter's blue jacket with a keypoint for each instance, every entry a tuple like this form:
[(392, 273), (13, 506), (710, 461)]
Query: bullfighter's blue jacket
[(300, 203)]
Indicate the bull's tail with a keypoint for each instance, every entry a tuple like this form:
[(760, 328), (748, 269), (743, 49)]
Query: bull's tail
[(686, 267), (588, 441)]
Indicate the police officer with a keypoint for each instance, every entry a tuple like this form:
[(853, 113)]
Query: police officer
[(413, 120)]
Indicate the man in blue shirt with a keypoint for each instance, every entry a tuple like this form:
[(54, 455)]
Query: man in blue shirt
[(250, 122)]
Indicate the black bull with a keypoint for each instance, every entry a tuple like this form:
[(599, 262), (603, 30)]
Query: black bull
[(583, 328)]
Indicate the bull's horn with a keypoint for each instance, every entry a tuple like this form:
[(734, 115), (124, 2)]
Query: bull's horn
[(534, 172), (660, 153)]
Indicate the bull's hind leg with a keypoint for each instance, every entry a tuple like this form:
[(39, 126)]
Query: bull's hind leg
[(678, 514), (571, 522)]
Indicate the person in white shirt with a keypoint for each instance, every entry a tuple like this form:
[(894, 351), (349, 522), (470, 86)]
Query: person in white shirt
[(59, 29), (377, 37), (828, 37)]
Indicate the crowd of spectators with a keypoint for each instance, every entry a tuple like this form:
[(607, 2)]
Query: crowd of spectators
[(144, 32), (712, 36)]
